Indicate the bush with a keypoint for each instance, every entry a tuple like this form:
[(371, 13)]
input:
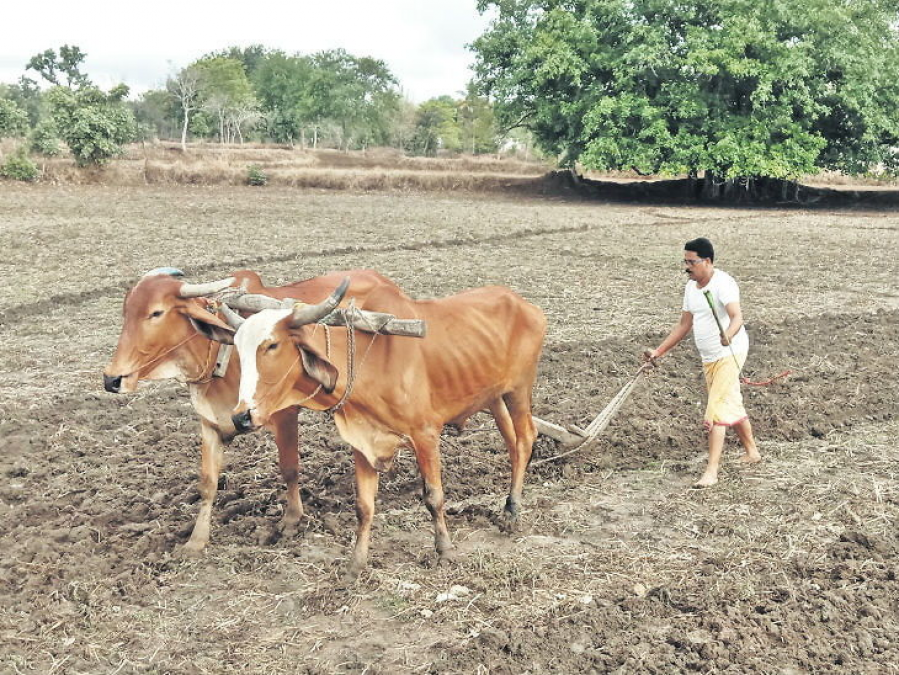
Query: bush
[(93, 124), (256, 176), (19, 166), (44, 139), (13, 120)]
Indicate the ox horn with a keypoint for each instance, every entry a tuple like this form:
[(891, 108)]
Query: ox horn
[(199, 290), (234, 319), (305, 314)]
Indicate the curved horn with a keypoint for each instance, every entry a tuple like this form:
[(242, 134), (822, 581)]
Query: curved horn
[(305, 314), (199, 290), (234, 319)]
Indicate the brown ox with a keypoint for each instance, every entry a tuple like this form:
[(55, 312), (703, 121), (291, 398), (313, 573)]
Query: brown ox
[(165, 334), (481, 351)]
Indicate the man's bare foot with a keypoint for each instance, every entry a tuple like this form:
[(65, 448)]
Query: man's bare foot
[(751, 457), (706, 481)]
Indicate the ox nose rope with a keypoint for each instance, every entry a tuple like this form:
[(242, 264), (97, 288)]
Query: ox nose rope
[(201, 378)]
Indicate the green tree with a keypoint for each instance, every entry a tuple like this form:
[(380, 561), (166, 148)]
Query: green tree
[(251, 57), (27, 95), (734, 88), (437, 127), (477, 123), (93, 124), (13, 120), (67, 63), (157, 111), (44, 138), (283, 86), (227, 96), (356, 95)]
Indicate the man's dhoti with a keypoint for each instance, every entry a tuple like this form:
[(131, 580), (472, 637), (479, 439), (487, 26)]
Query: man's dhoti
[(722, 380)]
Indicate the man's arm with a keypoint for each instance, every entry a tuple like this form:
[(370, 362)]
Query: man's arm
[(678, 333), (736, 322)]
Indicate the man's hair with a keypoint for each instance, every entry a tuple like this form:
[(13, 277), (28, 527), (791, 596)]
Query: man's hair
[(701, 247)]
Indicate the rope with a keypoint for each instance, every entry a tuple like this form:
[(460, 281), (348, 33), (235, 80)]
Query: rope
[(765, 383), (601, 421), (202, 378), (350, 359), (743, 380)]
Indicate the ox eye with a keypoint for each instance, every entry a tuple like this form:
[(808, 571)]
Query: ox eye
[(156, 314), (273, 346)]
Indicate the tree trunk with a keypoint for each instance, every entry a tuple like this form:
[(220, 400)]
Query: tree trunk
[(711, 187), (184, 132)]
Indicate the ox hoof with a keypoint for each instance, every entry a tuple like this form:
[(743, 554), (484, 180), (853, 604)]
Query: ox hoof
[(191, 550), (351, 575), (288, 526), (508, 523), (446, 558)]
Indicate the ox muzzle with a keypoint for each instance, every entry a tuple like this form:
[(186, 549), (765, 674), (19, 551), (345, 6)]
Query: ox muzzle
[(112, 383), (243, 421)]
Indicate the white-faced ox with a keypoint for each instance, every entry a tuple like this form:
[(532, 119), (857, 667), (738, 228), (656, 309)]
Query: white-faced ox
[(481, 351)]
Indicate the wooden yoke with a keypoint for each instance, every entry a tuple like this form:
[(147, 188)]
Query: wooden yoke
[(361, 319)]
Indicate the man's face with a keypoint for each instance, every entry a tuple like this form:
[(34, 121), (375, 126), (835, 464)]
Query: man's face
[(695, 267)]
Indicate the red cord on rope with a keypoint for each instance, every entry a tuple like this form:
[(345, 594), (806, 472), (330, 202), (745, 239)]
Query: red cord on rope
[(765, 383)]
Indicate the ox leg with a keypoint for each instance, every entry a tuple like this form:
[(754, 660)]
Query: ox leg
[(366, 489), (211, 458), (284, 426), (427, 454), (517, 408)]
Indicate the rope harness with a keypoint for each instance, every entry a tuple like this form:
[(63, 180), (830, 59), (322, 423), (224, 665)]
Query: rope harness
[(350, 315), (201, 377)]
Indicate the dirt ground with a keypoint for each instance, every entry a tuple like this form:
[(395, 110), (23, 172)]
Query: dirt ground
[(789, 566)]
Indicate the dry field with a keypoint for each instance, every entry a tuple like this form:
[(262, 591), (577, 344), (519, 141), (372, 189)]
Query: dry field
[(786, 567)]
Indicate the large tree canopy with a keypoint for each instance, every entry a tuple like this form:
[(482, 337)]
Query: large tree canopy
[(735, 88)]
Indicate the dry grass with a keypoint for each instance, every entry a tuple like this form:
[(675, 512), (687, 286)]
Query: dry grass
[(375, 169), (164, 163)]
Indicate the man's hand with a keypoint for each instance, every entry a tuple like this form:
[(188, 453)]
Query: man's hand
[(649, 358), (725, 341)]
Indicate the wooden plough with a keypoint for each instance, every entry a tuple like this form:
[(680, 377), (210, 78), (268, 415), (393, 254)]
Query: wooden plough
[(574, 437)]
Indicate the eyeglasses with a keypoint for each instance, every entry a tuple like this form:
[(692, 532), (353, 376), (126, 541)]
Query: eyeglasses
[(695, 261)]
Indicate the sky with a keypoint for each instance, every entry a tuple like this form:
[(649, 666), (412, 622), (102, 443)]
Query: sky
[(423, 42)]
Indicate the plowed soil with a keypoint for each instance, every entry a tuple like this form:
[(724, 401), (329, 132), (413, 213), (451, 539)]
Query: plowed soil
[(789, 566)]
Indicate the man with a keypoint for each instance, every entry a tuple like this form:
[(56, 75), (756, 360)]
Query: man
[(723, 345)]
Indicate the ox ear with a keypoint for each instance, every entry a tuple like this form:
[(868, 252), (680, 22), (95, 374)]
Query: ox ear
[(209, 325), (318, 368)]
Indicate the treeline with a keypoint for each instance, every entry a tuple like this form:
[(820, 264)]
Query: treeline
[(330, 99)]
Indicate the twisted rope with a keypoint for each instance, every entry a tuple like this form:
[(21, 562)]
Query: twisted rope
[(601, 421)]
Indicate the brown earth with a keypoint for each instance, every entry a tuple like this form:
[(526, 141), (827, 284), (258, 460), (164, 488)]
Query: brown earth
[(788, 566)]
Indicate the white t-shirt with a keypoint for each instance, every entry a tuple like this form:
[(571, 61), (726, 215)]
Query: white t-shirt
[(724, 291)]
